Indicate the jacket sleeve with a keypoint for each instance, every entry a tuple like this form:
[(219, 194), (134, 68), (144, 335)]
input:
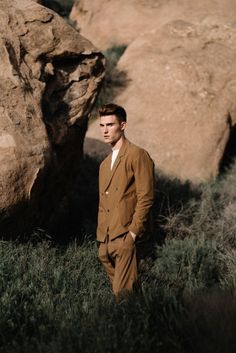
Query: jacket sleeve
[(143, 168)]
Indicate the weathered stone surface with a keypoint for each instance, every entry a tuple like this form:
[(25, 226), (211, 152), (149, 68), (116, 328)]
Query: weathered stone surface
[(49, 79), (118, 22), (181, 96)]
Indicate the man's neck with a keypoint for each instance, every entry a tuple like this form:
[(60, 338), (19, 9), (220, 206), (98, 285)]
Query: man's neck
[(118, 144)]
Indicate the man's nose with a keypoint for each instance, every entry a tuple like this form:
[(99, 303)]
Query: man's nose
[(105, 129)]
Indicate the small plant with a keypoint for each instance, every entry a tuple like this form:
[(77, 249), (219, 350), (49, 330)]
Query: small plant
[(186, 265)]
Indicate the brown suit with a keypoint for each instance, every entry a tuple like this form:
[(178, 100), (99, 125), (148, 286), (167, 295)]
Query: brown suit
[(126, 194)]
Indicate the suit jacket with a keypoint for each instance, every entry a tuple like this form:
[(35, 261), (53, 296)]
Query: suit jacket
[(126, 193)]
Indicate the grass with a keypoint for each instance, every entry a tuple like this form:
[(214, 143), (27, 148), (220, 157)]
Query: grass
[(56, 298)]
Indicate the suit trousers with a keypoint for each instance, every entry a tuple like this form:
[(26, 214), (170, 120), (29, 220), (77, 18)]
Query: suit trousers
[(118, 256)]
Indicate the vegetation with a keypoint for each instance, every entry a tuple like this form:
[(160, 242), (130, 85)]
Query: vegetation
[(56, 298)]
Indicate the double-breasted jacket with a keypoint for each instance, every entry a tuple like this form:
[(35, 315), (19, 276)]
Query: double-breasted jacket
[(126, 192)]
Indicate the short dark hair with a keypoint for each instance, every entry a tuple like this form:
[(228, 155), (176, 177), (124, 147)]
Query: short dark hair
[(113, 109)]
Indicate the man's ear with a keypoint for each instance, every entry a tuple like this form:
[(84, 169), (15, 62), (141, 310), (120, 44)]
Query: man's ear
[(123, 125)]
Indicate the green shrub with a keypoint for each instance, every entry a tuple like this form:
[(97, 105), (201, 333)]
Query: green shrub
[(209, 210), (44, 288), (228, 280), (58, 299), (183, 266)]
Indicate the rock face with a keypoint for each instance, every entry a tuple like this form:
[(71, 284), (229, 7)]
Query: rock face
[(49, 79), (119, 22), (180, 96)]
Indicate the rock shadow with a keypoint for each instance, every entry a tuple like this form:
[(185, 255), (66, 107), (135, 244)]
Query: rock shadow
[(63, 8), (115, 80), (229, 155)]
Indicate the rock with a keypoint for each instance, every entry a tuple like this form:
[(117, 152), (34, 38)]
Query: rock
[(111, 23), (49, 79), (180, 96)]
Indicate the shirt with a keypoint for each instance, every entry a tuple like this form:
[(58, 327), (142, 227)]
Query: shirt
[(113, 157)]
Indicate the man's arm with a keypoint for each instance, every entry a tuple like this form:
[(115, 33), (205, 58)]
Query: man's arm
[(144, 183)]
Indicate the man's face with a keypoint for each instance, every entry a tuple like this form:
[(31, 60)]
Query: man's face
[(112, 130)]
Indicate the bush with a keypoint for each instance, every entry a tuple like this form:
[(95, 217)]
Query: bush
[(57, 299), (183, 266), (210, 210)]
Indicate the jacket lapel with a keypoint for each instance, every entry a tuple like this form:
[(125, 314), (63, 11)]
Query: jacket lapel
[(110, 173), (106, 172)]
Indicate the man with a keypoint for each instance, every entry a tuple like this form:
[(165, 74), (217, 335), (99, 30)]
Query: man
[(126, 194)]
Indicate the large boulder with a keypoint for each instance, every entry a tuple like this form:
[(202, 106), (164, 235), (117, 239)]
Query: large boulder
[(180, 96), (118, 22), (49, 80)]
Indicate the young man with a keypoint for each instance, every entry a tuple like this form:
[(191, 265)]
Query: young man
[(126, 194)]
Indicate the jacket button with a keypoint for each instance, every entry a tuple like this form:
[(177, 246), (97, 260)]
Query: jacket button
[(108, 210), (107, 192)]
